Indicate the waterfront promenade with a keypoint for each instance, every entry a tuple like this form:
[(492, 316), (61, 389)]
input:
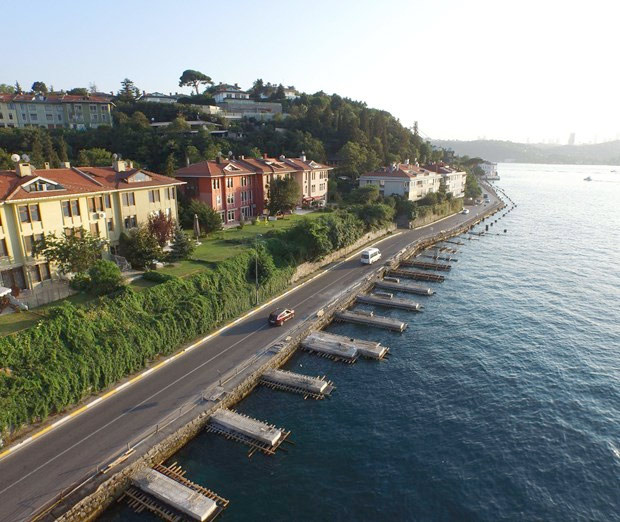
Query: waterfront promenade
[(35, 474)]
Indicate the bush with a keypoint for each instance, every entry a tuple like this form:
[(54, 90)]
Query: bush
[(182, 246), (80, 282), (157, 277), (105, 277), (208, 218), (140, 248)]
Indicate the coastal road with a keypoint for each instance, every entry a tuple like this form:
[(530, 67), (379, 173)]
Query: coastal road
[(35, 474)]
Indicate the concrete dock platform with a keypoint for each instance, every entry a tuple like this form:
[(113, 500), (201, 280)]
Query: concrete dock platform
[(389, 302), (368, 349), (404, 287), (418, 276), (334, 350), (315, 387), (438, 258), (370, 319), (426, 265), (189, 502), (247, 427)]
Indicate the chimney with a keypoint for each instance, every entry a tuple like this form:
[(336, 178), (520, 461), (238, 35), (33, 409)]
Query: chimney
[(66, 165), (131, 164), (119, 165), (242, 157), (23, 169), (407, 161), (265, 155), (218, 158), (303, 156), (47, 165)]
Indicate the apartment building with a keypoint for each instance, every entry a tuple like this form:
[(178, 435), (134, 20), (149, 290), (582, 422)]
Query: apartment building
[(237, 187), (105, 201), (54, 111), (403, 179), (453, 179)]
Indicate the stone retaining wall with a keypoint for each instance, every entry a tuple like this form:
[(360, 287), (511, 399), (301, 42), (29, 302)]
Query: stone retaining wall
[(98, 494)]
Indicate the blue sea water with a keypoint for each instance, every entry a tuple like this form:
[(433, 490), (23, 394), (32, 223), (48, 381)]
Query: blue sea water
[(501, 401)]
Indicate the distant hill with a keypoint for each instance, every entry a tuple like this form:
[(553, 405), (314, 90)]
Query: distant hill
[(607, 153)]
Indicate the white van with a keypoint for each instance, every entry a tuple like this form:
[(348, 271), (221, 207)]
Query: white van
[(370, 255)]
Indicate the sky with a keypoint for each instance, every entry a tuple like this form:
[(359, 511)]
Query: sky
[(527, 70)]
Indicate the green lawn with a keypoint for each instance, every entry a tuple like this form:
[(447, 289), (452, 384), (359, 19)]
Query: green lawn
[(228, 243), (221, 245)]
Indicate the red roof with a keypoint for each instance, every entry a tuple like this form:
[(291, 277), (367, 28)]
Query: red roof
[(210, 169), (80, 180), (400, 170), (53, 98)]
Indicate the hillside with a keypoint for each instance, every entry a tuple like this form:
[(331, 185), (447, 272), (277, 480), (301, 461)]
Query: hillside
[(499, 151)]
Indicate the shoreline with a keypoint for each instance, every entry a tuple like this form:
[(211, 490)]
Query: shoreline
[(88, 500)]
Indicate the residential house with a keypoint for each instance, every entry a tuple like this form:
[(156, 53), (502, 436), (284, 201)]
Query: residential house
[(453, 179), (237, 187), (158, 97), (54, 111), (236, 104), (489, 169), (406, 180), (103, 200)]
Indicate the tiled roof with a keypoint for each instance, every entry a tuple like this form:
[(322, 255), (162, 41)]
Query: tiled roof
[(210, 168), (80, 180), (400, 170)]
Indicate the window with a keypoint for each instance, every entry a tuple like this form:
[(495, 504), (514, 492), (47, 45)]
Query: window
[(49, 117), (154, 196), (107, 200), (95, 204), (229, 183), (3, 251), (33, 117), (66, 209), (1, 116), (24, 217), (35, 275), (44, 269), (75, 208), (110, 225), (94, 229), (244, 181), (170, 192), (131, 222), (219, 200), (93, 108), (216, 183), (28, 244), (129, 199), (230, 199), (231, 215), (313, 188), (313, 175)]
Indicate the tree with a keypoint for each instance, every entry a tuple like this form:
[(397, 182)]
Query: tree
[(140, 247), (194, 79), (18, 88), (171, 165), (284, 195), (95, 157), (257, 89), (6, 89), (5, 160), (105, 277), (262, 260), (472, 188), (182, 246), (61, 147), (39, 87), (209, 219), (128, 92), (36, 150), (92, 88), (49, 153), (161, 226), (140, 121), (179, 124), (365, 194), (72, 253), (78, 91)]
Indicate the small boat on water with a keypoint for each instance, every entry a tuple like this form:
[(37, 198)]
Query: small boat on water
[(587, 179)]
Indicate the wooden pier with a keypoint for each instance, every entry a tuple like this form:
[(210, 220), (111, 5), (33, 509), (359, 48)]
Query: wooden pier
[(417, 276), (397, 286), (389, 302), (313, 387), (368, 349), (438, 258), (426, 266), (259, 435), (370, 319), (178, 495)]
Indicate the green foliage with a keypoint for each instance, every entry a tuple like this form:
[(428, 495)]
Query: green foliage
[(5, 161), (157, 277), (78, 91), (209, 219), (284, 195), (472, 188), (39, 87), (182, 246), (6, 89), (75, 252), (95, 157), (374, 215), (365, 194), (194, 79), (262, 260), (140, 248), (105, 277), (128, 92)]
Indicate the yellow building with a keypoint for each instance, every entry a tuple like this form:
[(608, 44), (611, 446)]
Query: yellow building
[(103, 200)]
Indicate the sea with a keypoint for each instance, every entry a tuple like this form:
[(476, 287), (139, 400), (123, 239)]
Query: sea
[(501, 401)]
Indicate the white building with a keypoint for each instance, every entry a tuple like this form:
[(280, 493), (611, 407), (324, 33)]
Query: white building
[(490, 169), (226, 92), (158, 97), (453, 179), (403, 179)]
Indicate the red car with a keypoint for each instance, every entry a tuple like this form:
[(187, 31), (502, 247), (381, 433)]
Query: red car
[(280, 315)]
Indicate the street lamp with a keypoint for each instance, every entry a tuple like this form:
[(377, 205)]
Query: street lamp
[(256, 265)]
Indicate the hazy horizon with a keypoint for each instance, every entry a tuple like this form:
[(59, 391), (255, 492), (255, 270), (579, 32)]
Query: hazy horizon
[(526, 71)]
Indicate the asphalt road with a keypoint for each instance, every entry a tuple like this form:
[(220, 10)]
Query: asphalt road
[(36, 473)]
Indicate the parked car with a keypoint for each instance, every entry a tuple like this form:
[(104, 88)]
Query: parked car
[(465, 211), (280, 315)]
